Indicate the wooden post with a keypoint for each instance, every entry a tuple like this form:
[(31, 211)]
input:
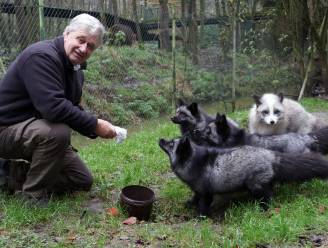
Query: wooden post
[(306, 77), (41, 20), (173, 58)]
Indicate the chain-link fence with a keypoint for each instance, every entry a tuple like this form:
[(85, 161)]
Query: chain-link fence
[(156, 51)]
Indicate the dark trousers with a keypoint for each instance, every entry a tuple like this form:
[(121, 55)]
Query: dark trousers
[(52, 165)]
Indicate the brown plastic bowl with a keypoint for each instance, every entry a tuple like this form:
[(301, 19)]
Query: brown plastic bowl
[(138, 201)]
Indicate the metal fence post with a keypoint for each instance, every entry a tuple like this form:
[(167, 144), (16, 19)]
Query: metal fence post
[(41, 20), (173, 59)]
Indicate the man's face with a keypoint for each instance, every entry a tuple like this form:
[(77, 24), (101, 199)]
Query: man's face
[(79, 45)]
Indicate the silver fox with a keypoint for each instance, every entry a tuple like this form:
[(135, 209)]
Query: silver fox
[(209, 170), (192, 118), (220, 134)]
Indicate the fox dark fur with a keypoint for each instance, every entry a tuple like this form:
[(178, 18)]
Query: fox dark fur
[(191, 118), (210, 170), (219, 133)]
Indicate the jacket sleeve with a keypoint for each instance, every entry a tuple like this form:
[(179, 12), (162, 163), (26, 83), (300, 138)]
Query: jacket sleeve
[(42, 77)]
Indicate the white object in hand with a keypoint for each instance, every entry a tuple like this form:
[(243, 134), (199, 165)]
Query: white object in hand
[(121, 134)]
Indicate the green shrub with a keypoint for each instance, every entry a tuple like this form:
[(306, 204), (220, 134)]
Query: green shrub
[(142, 108), (134, 83), (122, 116)]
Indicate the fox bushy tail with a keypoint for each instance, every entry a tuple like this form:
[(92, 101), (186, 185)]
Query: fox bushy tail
[(321, 137), (300, 167)]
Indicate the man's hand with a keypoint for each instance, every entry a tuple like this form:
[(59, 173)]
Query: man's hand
[(104, 129)]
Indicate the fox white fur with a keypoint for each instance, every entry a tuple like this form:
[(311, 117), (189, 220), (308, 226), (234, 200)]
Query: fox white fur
[(219, 133), (273, 114)]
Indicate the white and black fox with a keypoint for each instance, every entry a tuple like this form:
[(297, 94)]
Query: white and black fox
[(273, 114), (210, 170), (220, 134), (191, 118)]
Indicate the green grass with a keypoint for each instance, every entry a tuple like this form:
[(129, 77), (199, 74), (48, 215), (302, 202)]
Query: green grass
[(297, 209)]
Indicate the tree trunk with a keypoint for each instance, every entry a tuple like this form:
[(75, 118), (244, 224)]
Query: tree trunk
[(102, 9), (164, 34), (218, 8), (124, 9), (115, 11), (136, 19), (202, 18), (234, 53), (218, 14), (183, 10), (253, 11), (306, 78), (184, 25), (320, 37), (193, 31)]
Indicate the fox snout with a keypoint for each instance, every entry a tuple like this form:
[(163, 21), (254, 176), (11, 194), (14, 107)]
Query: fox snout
[(197, 132), (271, 121), (175, 120), (163, 144)]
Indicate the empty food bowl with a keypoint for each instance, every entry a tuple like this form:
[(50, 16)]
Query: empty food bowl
[(138, 201)]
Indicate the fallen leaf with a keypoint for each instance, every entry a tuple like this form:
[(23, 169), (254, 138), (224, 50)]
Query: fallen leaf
[(3, 232), (112, 211), (276, 210), (130, 221), (71, 237), (322, 209)]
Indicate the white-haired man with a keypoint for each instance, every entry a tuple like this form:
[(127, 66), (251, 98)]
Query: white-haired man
[(39, 105)]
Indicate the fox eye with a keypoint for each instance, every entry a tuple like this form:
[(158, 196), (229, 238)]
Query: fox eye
[(265, 112), (208, 131), (171, 145), (277, 112)]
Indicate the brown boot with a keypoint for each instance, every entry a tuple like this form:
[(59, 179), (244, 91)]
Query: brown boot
[(32, 201)]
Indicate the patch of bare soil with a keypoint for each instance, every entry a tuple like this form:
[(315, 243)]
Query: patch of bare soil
[(311, 240), (316, 240)]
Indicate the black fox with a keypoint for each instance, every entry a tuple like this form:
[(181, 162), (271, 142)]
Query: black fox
[(219, 133), (210, 170), (191, 118)]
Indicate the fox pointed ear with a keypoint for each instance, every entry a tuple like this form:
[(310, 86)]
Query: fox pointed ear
[(224, 119), (222, 127), (257, 100), (193, 108), (221, 120), (281, 96), (180, 102), (218, 117)]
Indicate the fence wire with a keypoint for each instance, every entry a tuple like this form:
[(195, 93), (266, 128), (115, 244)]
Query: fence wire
[(137, 73)]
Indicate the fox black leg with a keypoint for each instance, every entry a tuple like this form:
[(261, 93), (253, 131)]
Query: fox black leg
[(265, 199), (193, 202), (264, 194), (205, 204)]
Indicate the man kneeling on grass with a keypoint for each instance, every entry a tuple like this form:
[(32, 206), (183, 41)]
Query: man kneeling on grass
[(39, 105)]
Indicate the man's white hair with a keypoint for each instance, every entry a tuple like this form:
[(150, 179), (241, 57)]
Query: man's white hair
[(87, 23)]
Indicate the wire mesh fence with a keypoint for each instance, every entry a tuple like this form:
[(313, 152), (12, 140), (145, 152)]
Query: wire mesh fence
[(156, 51)]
